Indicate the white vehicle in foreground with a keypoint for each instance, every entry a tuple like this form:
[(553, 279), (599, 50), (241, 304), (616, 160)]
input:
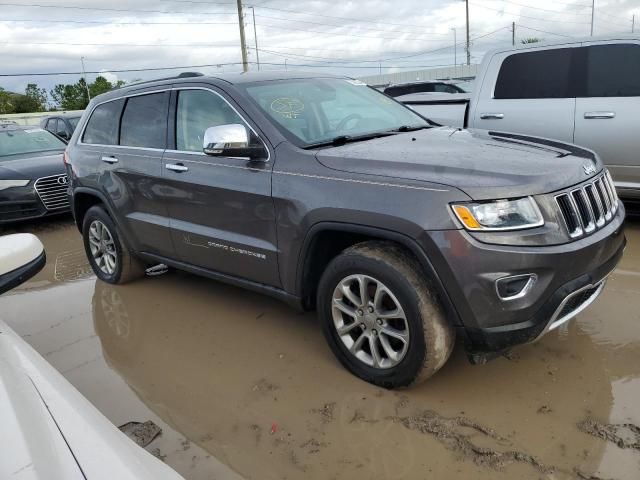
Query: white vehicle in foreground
[(585, 92), (49, 430)]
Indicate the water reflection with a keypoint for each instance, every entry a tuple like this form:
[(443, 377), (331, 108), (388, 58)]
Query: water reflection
[(224, 366)]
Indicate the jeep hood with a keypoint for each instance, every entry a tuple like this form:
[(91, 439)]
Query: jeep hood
[(485, 165)]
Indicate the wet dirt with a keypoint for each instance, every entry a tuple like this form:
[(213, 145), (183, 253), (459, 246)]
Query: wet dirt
[(143, 433), (243, 380)]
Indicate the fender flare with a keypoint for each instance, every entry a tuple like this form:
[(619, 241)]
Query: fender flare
[(383, 234), (107, 205)]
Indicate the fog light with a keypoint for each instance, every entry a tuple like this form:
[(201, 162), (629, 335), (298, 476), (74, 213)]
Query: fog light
[(516, 286)]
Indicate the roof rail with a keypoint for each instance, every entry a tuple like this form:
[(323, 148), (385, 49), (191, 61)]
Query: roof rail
[(181, 75), (190, 74)]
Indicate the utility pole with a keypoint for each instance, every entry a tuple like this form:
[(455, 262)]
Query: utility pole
[(468, 42), (255, 36), (513, 34), (593, 14), (243, 43), (633, 23), (84, 75), (455, 48)]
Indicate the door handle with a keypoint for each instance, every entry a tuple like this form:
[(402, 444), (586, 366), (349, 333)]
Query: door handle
[(106, 159), (599, 115), (176, 167), (492, 116)]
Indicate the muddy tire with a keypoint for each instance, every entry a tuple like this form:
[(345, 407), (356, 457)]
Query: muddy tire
[(109, 257), (380, 318)]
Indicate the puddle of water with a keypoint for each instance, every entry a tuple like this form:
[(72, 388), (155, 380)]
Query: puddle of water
[(252, 383)]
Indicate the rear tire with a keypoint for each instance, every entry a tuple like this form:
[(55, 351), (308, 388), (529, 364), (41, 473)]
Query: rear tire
[(406, 336), (109, 257)]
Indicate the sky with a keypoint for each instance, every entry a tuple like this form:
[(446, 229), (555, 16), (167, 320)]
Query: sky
[(357, 38)]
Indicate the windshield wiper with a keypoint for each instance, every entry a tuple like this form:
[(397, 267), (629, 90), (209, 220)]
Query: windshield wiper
[(411, 128), (344, 139)]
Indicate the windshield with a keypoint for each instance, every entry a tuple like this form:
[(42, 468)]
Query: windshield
[(314, 111), (32, 140), (73, 121)]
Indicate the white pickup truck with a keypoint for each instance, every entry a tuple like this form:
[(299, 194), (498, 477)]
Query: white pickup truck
[(580, 91)]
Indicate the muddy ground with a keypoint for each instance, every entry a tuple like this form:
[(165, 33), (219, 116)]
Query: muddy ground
[(240, 383)]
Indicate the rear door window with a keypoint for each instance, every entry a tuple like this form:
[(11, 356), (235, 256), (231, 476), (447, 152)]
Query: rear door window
[(144, 121), (541, 74), (102, 128), (613, 70)]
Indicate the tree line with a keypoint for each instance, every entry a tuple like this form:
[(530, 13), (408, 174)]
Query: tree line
[(73, 96)]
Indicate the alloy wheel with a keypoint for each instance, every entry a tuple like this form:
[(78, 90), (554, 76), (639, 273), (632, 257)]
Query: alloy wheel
[(103, 248), (370, 321)]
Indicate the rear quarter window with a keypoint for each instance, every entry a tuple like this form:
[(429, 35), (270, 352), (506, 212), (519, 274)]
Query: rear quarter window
[(541, 74), (102, 127)]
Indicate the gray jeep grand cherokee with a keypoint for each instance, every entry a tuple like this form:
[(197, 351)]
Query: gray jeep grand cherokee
[(328, 194)]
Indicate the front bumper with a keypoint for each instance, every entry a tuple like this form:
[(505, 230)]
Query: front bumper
[(23, 203), (469, 269)]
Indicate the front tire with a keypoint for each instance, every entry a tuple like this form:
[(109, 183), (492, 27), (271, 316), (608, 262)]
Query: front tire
[(109, 257), (380, 317)]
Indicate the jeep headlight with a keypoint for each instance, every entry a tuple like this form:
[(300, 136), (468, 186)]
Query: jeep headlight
[(4, 184), (494, 215)]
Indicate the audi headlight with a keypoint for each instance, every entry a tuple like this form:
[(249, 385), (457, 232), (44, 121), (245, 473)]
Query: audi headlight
[(4, 184), (496, 215)]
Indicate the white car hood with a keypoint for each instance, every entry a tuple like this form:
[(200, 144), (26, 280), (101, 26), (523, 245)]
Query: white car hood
[(50, 431)]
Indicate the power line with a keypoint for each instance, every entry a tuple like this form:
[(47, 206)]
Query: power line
[(612, 16), (102, 22), (447, 47), (573, 4), (186, 67), (609, 22), (298, 12), (229, 4), (121, 70), (344, 26), (333, 60), (217, 45), (335, 34), (546, 9), (543, 31), (159, 45), (426, 52), (525, 16), (105, 9)]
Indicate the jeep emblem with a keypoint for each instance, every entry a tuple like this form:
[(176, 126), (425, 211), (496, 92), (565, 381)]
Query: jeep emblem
[(589, 169)]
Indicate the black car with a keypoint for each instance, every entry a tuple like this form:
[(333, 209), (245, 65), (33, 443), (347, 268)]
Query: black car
[(33, 182), (61, 125)]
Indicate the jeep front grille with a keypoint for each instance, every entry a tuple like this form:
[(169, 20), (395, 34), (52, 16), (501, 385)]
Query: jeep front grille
[(588, 207), (52, 191)]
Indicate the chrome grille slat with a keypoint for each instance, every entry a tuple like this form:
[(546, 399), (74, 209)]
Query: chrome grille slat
[(612, 188), (588, 207), (52, 193), (604, 198), (596, 206), (584, 211)]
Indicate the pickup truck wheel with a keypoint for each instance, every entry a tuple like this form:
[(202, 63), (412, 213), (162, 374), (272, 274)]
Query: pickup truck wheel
[(109, 257), (380, 318)]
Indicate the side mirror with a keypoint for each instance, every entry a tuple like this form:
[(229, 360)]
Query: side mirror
[(21, 257), (231, 141)]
